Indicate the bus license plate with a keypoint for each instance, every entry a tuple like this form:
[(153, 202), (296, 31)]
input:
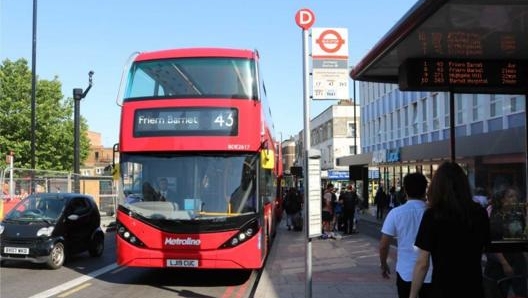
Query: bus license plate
[(16, 250), (182, 263)]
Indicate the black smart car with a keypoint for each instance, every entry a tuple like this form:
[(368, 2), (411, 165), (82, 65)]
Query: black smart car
[(46, 227)]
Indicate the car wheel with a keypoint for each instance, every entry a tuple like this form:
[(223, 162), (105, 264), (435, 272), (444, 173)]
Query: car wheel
[(97, 246), (57, 256)]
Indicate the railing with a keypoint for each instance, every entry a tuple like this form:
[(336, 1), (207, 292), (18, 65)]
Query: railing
[(17, 183)]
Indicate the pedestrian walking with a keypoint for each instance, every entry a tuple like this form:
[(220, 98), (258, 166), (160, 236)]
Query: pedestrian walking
[(292, 206), (402, 223), (349, 200), (380, 199), (454, 232)]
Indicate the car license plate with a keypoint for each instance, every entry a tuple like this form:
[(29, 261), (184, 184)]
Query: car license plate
[(182, 263), (16, 250)]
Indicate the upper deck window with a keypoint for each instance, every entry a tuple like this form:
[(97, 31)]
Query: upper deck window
[(209, 77)]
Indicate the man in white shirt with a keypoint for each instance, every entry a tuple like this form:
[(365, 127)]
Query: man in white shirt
[(402, 223)]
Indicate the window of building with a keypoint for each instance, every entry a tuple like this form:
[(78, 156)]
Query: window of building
[(477, 108), (516, 104), (351, 149), (328, 133), (392, 126), (459, 108), (436, 120), (447, 113), (351, 129), (378, 140), (398, 123), (495, 106), (406, 116), (424, 115), (384, 132), (415, 118)]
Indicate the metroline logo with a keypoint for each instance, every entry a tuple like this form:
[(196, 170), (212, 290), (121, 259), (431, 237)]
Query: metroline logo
[(180, 241)]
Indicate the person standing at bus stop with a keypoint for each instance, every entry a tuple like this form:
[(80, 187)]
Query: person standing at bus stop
[(327, 211), (380, 199), (292, 206), (402, 223), (349, 200), (454, 232)]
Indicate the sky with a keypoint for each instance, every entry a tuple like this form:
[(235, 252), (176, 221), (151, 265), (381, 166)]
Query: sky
[(75, 37)]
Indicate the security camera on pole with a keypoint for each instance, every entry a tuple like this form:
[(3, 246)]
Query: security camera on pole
[(78, 94)]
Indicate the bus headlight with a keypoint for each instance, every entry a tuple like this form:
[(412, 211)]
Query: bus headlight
[(128, 236), (243, 235)]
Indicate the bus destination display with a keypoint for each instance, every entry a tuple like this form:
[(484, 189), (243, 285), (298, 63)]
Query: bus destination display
[(187, 121), (464, 76)]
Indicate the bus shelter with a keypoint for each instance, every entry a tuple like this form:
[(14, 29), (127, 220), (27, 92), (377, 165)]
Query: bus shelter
[(462, 47)]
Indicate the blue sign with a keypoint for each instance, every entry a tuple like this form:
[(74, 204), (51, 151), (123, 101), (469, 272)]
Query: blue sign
[(338, 175)]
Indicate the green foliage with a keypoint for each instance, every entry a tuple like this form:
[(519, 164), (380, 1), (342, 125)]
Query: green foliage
[(54, 121)]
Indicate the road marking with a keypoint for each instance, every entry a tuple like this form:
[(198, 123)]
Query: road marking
[(73, 283), (75, 290)]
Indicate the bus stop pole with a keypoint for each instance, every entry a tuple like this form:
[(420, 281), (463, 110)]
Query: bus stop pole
[(306, 137)]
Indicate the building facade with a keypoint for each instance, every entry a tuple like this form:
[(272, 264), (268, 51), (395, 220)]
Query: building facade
[(334, 132), (410, 131)]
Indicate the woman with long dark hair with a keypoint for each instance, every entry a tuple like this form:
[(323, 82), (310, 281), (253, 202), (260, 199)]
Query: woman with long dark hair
[(453, 232)]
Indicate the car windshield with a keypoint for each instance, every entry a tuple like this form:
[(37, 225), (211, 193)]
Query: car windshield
[(37, 207), (189, 187)]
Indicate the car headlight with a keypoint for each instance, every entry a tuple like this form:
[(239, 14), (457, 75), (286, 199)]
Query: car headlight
[(1, 229), (45, 231)]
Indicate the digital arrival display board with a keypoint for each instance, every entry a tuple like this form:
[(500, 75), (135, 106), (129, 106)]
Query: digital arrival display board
[(186, 121), (464, 76)]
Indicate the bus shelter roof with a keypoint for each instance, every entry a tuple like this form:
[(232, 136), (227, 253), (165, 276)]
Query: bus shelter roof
[(449, 29)]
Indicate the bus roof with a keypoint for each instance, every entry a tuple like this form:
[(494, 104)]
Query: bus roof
[(197, 52)]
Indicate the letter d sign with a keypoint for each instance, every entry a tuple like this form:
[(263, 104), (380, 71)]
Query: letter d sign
[(304, 18)]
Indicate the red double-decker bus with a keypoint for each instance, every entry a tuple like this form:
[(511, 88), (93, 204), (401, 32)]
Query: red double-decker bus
[(199, 166)]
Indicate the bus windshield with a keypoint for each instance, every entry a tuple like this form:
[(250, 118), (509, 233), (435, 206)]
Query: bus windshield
[(175, 186), (193, 78)]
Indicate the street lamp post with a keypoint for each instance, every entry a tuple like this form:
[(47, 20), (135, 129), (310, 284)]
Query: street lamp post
[(78, 94), (33, 96)]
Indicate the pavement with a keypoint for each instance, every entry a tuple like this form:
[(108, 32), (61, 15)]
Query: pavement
[(344, 267)]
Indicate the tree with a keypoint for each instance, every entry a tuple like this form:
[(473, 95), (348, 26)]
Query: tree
[(54, 121)]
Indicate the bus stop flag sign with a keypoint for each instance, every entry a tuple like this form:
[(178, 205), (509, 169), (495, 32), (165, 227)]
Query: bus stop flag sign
[(330, 63), (305, 18)]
